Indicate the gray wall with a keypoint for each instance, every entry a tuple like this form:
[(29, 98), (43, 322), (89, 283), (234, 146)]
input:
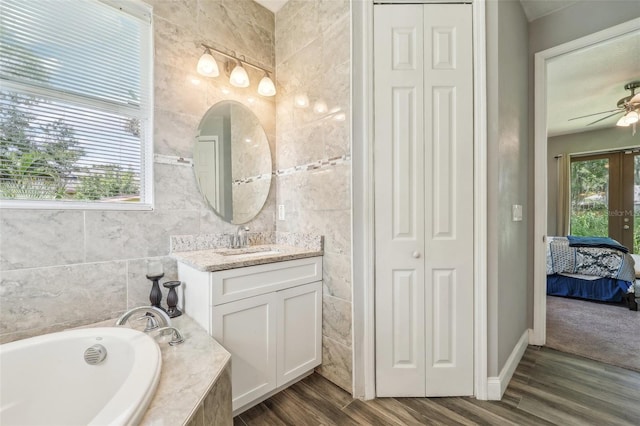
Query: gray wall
[(578, 20), (508, 252)]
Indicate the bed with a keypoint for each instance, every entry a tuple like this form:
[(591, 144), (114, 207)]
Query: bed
[(593, 269)]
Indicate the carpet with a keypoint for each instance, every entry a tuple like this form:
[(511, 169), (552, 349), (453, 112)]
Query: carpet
[(601, 331)]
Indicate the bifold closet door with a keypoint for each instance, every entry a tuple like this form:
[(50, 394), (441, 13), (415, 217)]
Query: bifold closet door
[(423, 199)]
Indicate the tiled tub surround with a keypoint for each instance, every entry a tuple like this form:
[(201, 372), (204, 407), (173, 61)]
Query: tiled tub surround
[(195, 380), (65, 268)]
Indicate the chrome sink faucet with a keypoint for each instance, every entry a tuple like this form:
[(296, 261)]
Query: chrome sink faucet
[(240, 238)]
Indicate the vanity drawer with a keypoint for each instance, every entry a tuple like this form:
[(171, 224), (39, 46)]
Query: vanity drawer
[(240, 283)]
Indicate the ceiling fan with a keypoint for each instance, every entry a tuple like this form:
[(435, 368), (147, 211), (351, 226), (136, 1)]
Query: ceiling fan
[(629, 106)]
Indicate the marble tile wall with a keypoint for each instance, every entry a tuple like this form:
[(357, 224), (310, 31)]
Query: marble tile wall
[(62, 268), (312, 52)]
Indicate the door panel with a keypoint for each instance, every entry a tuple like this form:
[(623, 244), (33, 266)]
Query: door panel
[(449, 200), (399, 200)]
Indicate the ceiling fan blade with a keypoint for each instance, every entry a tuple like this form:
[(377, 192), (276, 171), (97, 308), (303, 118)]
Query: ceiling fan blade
[(603, 118), (595, 113)]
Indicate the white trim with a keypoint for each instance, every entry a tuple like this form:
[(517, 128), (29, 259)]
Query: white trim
[(538, 336), (480, 200), (73, 205), (497, 385), (363, 253)]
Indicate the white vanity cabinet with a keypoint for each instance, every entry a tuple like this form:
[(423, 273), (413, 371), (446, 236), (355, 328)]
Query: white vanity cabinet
[(269, 317)]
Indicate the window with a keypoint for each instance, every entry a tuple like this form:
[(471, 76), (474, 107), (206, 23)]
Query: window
[(75, 104)]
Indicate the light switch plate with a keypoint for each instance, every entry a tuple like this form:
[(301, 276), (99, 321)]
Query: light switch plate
[(281, 212), (516, 212)]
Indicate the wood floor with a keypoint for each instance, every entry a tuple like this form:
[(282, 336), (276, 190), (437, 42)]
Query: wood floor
[(548, 387)]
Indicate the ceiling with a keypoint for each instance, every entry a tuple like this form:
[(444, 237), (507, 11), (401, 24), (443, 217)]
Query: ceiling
[(588, 81), (272, 5), (535, 9)]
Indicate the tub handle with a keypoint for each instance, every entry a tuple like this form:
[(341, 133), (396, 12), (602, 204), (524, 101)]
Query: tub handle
[(152, 322)]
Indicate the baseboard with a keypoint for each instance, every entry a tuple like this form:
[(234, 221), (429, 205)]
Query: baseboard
[(497, 385)]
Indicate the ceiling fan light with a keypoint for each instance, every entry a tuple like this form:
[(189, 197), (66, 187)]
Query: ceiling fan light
[(622, 122), (632, 117)]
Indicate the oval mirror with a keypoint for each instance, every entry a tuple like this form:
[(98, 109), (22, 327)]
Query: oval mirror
[(232, 162)]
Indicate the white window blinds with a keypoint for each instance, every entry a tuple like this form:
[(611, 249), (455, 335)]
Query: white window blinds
[(75, 103)]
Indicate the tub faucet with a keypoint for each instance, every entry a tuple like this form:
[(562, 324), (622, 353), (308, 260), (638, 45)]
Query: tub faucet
[(240, 238), (155, 317)]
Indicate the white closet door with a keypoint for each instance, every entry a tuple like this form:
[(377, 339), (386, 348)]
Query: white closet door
[(424, 199)]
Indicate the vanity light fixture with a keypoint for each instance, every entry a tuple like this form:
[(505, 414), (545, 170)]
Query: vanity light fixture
[(266, 86), (238, 76), (207, 65)]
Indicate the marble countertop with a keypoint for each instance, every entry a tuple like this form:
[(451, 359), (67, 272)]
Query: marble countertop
[(212, 260), (189, 370)]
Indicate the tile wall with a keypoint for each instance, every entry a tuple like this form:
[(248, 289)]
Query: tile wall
[(313, 155), (61, 268)]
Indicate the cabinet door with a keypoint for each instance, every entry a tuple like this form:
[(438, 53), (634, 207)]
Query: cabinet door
[(299, 330), (247, 329)]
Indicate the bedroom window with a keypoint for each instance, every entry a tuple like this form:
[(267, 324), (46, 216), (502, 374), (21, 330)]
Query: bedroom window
[(605, 197), (75, 104)]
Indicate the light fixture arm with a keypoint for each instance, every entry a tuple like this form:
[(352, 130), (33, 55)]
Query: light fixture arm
[(242, 61)]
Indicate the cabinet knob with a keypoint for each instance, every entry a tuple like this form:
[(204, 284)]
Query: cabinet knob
[(416, 254)]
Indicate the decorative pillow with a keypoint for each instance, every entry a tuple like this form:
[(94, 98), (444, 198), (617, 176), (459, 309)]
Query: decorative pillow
[(636, 259)]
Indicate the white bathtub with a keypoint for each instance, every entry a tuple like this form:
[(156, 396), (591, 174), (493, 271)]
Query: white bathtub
[(45, 380)]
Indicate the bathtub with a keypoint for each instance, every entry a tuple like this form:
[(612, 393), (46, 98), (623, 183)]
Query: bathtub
[(45, 380)]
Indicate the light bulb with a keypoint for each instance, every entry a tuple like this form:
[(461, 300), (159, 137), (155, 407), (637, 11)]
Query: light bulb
[(622, 122), (239, 76), (266, 86), (632, 117), (207, 65)]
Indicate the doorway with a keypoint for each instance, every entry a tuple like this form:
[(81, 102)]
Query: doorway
[(538, 335)]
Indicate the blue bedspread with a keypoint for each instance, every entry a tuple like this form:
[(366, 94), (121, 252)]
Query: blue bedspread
[(604, 289), (596, 242)]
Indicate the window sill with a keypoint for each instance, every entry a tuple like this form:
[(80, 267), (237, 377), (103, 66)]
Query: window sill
[(72, 205)]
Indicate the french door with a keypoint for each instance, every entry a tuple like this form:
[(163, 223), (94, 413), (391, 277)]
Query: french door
[(605, 197)]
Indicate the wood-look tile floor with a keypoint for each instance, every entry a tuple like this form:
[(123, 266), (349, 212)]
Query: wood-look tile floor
[(548, 387)]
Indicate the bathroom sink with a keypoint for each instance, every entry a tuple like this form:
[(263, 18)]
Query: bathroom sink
[(248, 251)]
